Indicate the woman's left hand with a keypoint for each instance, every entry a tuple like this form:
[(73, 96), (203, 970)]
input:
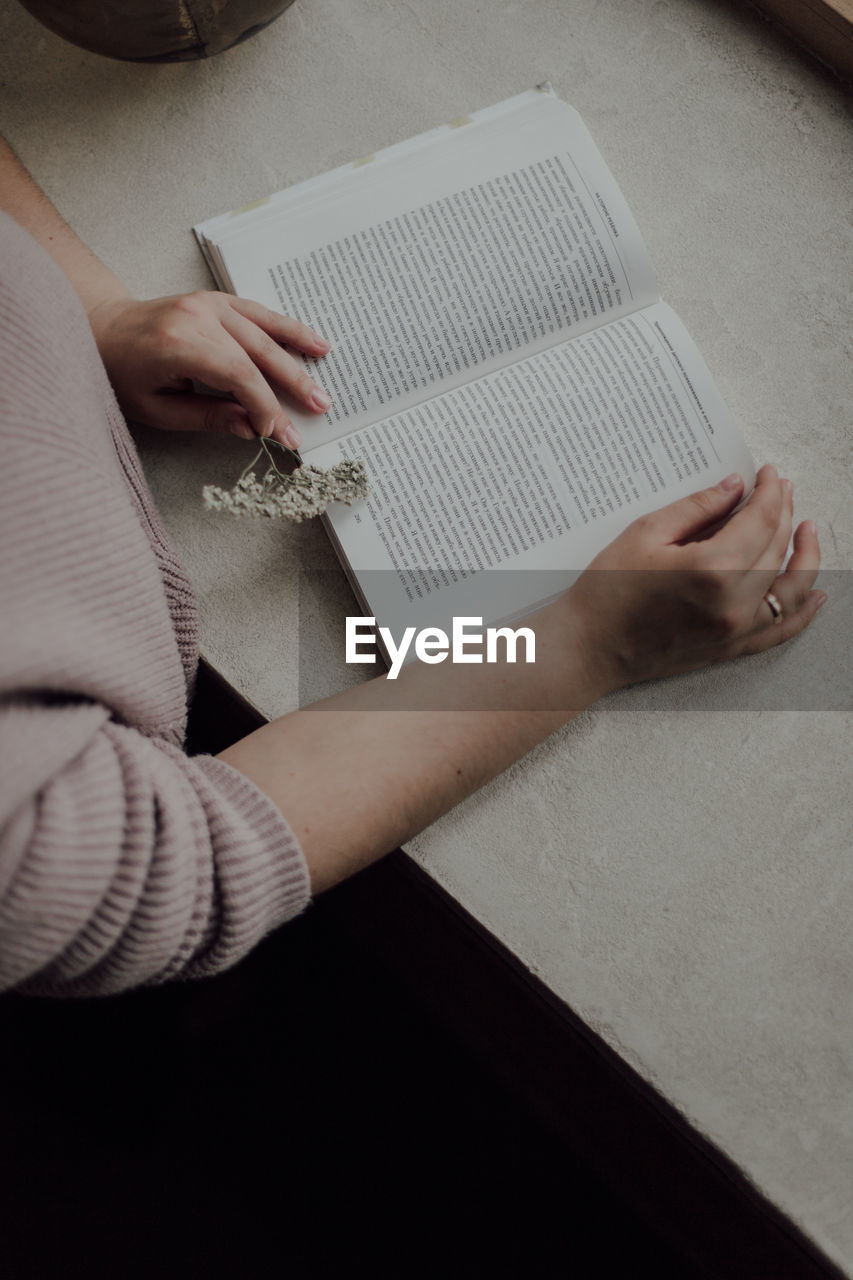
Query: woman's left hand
[(154, 351), (668, 595)]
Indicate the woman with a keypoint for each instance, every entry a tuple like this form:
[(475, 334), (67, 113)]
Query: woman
[(122, 860)]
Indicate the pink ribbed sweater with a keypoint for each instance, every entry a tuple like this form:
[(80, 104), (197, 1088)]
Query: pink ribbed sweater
[(122, 860)]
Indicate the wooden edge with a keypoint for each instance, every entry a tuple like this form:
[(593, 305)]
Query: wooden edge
[(824, 27)]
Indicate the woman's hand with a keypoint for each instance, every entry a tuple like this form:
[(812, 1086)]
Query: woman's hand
[(153, 351), (668, 595)]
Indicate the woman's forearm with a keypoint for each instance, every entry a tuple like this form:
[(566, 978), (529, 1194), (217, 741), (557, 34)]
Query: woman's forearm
[(24, 200), (360, 773)]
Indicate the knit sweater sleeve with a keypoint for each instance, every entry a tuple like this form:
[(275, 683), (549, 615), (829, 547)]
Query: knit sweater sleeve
[(122, 860), (132, 863)]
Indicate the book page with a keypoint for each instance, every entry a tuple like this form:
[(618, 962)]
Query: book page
[(534, 467), (328, 186), (492, 243)]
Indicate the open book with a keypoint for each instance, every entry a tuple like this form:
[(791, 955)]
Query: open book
[(500, 359)]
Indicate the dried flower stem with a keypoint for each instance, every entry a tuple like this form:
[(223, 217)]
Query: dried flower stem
[(305, 493)]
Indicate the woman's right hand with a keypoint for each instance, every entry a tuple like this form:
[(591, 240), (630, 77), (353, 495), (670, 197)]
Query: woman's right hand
[(668, 595), (155, 350)]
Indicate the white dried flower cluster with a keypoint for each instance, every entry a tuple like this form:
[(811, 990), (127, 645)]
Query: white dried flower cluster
[(305, 493)]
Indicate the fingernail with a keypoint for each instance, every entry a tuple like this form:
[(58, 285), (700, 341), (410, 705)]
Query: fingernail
[(269, 428), (320, 400), (787, 486), (322, 342), (243, 430), (292, 436), (822, 601), (731, 482), (811, 528)]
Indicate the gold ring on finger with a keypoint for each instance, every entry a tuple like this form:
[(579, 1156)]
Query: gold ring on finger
[(775, 607)]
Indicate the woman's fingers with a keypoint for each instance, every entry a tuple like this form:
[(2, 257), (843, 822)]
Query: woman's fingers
[(222, 363), (773, 556), (770, 601), (689, 516), (790, 626), (750, 587), (745, 539), (806, 553), (190, 411), (792, 589), (281, 328), (277, 364), (751, 538)]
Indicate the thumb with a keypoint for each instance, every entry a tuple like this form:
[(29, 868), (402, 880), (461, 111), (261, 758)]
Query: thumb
[(179, 411), (698, 512)]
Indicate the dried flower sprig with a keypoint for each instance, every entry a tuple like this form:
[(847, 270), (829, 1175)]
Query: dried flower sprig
[(299, 496)]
